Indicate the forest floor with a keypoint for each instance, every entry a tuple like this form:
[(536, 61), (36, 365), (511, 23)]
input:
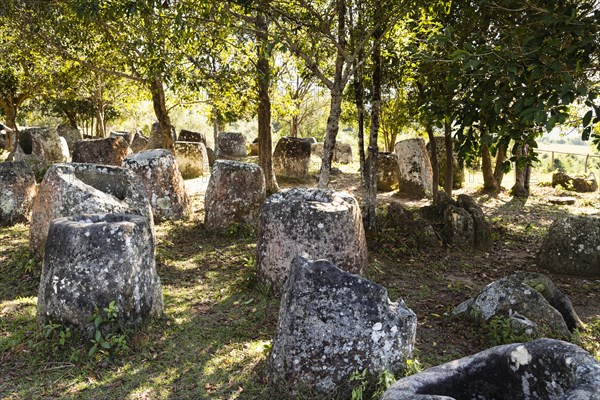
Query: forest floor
[(219, 322)]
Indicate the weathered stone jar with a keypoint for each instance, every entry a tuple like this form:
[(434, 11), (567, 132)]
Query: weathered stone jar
[(291, 157), (17, 191), (332, 323), (312, 223), (387, 172), (158, 171), (108, 151), (192, 159), (231, 145), (74, 189), (236, 190), (93, 260), (414, 165)]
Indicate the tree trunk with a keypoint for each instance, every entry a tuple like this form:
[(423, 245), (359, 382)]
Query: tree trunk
[(370, 217), (500, 158), (12, 138), (449, 179), (265, 159), (359, 93), (337, 89), (215, 117), (100, 123), (490, 185), (435, 179), (164, 137), (520, 188), (294, 126)]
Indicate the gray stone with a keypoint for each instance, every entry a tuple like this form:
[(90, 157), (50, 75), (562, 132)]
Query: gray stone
[(231, 145), (47, 148), (123, 134), (342, 152), (18, 191), (75, 189), (457, 168), (312, 223), (531, 302), (253, 149), (482, 238), (192, 159), (93, 260), (108, 151), (190, 136), (139, 142), (562, 201), (163, 183), (71, 135), (211, 156), (578, 184), (332, 323), (414, 168), (156, 140), (571, 247), (291, 158), (236, 190), (387, 172), (543, 369)]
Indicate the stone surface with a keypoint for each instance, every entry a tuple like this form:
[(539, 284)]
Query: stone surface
[(75, 189), (408, 228), (458, 170), (123, 134), (163, 183), (387, 172), (93, 260), (236, 190), (192, 159), (190, 136), (211, 156), (312, 223), (108, 151), (332, 323), (342, 153), (577, 184), (47, 148), (291, 158), (530, 301), (253, 148), (139, 142), (543, 369), (155, 141), (562, 200), (572, 247), (231, 144), (414, 168), (18, 189), (71, 135)]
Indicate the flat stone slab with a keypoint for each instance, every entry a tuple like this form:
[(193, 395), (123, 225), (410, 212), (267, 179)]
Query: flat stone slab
[(562, 201)]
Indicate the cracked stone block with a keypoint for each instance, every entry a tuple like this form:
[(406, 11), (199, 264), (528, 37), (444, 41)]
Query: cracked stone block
[(291, 158), (231, 144), (108, 151)]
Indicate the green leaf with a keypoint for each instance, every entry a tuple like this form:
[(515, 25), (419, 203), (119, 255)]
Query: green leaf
[(105, 345), (587, 118), (92, 350), (98, 336)]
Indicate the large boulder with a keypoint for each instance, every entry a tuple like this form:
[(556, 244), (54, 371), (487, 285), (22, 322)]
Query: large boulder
[(291, 158), (108, 151), (458, 171), (236, 190), (571, 247), (342, 152), (93, 260), (312, 223), (128, 136), (578, 184), (529, 302), (18, 191), (543, 369), (164, 185), (47, 148), (71, 134), (192, 159), (75, 189), (331, 324), (415, 170), (231, 145), (190, 136), (139, 142), (387, 172), (156, 140)]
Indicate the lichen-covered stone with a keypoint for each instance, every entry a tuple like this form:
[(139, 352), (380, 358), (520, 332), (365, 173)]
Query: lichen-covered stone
[(156, 140), (93, 260), (572, 247), (18, 189), (543, 369), (164, 185), (211, 156), (578, 184), (190, 136), (124, 134), (332, 323), (312, 223), (236, 190), (139, 142), (291, 158), (47, 148), (387, 172), (531, 302), (71, 134), (458, 170), (108, 151), (414, 167), (192, 159), (75, 189), (342, 151), (231, 144)]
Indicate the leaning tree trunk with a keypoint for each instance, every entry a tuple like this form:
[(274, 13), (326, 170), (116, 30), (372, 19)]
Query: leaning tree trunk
[(449, 178), (164, 136), (500, 158), (337, 89), (435, 179), (294, 124), (265, 159), (520, 187), (490, 185)]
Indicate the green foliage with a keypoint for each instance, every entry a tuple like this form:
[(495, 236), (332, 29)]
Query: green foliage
[(106, 343), (362, 384), (501, 330)]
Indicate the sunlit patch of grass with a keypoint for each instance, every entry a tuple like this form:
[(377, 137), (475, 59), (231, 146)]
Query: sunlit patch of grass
[(17, 322)]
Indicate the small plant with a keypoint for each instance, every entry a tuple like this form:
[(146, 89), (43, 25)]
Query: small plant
[(359, 381), (384, 381), (413, 366), (106, 342), (501, 330)]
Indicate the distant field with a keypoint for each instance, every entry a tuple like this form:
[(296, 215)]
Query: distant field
[(569, 148)]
